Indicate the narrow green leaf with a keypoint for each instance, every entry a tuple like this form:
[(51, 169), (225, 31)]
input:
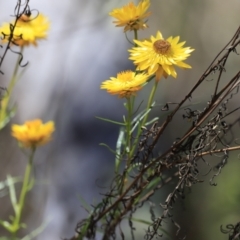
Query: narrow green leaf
[(111, 121), (12, 192), (153, 183), (85, 205), (149, 223), (152, 121), (110, 149), (120, 143), (8, 117), (36, 232), (8, 226), (140, 117)]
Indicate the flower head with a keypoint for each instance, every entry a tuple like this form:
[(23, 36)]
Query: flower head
[(130, 16), (158, 56), (33, 133), (126, 83), (27, 31)]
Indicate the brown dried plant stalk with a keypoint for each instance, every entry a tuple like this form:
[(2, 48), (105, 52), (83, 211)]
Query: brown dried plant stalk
[(205, 137)]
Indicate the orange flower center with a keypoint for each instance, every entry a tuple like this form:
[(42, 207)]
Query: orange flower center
[(161, 46), (24, 18)]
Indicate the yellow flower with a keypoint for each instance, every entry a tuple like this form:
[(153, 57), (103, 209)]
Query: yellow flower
[(33, 133), (126, 83), (158, 56), (130, 16), (27, 31)]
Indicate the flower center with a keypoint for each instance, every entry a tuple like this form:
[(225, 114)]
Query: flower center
[(161, 46), (125, 76), (24, 18)]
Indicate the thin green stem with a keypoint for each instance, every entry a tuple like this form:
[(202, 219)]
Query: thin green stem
[(127, 141), (14, 76), (6, 98), (14, 237), (135, 36), (27, 182), (150, 101), (128, 127)]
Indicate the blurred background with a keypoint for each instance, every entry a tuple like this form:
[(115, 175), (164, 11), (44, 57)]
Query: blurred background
[(62, 83)]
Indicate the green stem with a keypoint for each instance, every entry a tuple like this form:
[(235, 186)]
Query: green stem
[(135, 36), (6, 98), (25, 188), (150, 101), (14, 77), (128, 127)]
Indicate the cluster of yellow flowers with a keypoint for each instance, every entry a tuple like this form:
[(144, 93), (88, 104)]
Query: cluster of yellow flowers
[(156, 56)]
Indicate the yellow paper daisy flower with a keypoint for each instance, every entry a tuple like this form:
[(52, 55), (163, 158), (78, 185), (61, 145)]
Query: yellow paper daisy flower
[(27, 31), (159, 56), (130, 16), (33, 133), (126, 84)]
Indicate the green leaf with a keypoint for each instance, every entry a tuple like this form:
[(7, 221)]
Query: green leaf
[(110, 149), (85, 205), (36, 232), (149, 223), (140, 117), (152, 121), (8, 117), (111, 121), (12, 192), (153, 183), (4, 186), (8, 226), (120, 142)]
